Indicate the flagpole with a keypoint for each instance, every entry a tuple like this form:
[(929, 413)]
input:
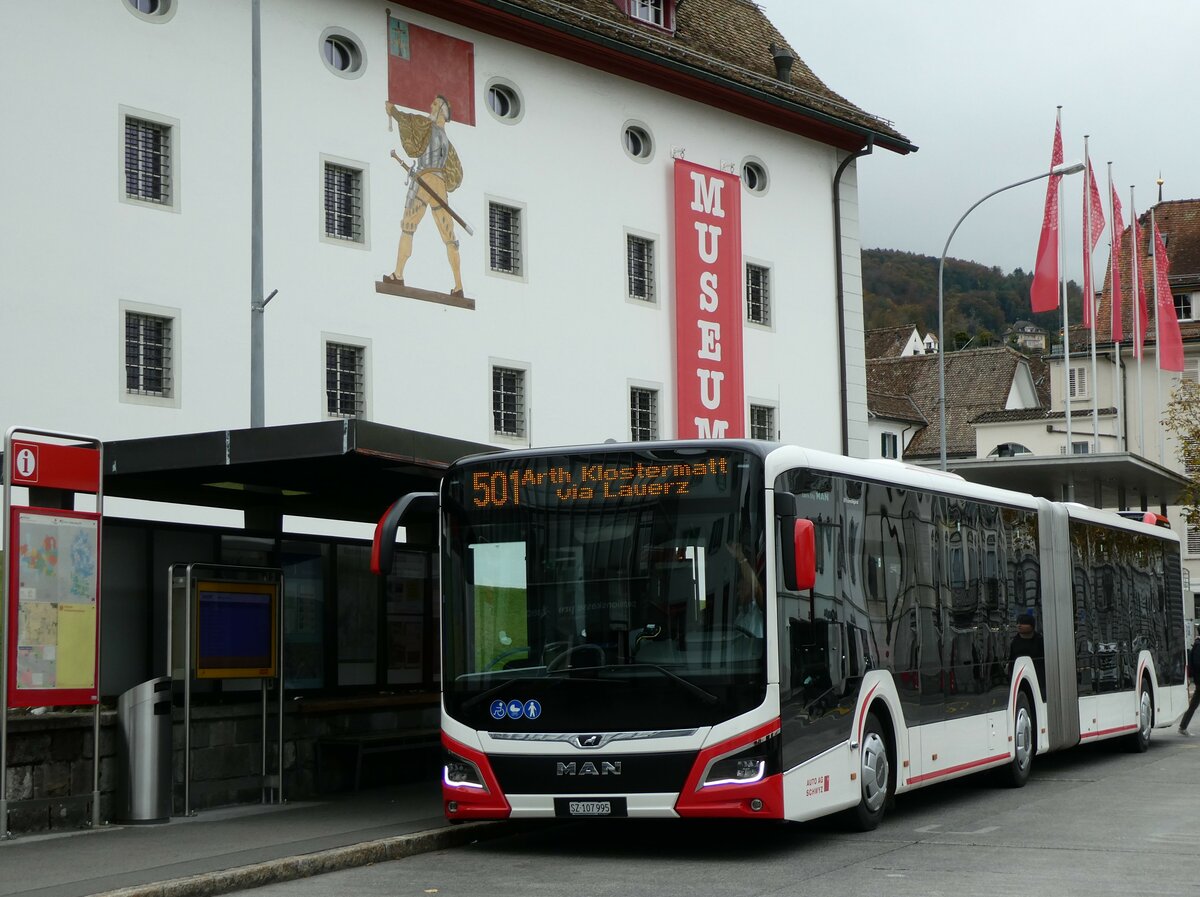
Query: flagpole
[(1114, 249), (1157, 339), (1139, 338), (1090, 298), (1062, 283)]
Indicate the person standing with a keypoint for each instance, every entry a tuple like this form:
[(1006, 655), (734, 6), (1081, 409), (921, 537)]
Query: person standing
[(1193, 672)]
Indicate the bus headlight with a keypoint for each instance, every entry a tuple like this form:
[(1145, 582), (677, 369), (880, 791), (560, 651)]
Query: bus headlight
[(743, 768), (462, 773)]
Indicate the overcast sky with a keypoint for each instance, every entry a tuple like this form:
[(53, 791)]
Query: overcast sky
[(974, 85)]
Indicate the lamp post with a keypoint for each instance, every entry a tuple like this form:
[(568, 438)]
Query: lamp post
[(1058, 170)]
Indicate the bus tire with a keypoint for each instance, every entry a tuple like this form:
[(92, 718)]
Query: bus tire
[(1016, 773), (876, 777), (1139, 741)]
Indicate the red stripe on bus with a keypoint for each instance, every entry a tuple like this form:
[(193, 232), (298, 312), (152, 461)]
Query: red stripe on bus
[(953, 769), (1108, 732), (862, 719)]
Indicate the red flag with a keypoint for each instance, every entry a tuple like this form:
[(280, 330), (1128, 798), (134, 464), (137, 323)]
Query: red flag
[(1096, 220), (1043, 293), (1170, 343), (1118, 231), (1139, 288)]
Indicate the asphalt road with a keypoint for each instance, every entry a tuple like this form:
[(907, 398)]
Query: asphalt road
[(1092, 821)]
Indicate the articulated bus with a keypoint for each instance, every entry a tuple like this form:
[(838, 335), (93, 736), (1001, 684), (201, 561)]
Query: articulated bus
[(733, 628)]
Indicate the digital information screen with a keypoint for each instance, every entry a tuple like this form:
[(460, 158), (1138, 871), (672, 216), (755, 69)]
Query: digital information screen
[(546, 482), (235, 630)]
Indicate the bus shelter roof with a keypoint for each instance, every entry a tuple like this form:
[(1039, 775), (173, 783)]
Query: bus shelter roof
[(338, 469)]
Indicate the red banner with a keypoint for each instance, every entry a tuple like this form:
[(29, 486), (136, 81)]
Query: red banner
[(708, 303), (424, 64)]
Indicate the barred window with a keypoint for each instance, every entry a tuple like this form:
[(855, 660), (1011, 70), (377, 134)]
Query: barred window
[(758, 294), (504, 238), (345, 380), (147, 160), (762, 422), (643, 414), (639, 267), (508, 401), (148, 355), (343, 203)]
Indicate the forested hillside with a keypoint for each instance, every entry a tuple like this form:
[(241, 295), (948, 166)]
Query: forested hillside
[(981, 302)]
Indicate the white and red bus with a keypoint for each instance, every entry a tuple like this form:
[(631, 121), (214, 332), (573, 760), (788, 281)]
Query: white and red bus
[(744, 629)]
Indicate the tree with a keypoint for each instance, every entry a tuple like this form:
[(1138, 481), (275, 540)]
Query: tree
[(1182, 420)]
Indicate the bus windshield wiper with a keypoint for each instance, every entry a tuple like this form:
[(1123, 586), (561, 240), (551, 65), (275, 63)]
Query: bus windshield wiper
[(706, 696)]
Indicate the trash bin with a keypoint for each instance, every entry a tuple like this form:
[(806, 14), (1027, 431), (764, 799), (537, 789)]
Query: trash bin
[(144, 724)]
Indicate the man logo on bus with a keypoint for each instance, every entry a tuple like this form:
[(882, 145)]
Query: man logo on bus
[(588, 741), (588, 769)]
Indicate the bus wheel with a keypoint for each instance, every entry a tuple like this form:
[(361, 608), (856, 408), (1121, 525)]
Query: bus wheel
[(875, 775), (1016, 773), (1139, 741)]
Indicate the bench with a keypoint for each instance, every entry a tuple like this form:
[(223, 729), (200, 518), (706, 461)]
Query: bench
[(357, 746)]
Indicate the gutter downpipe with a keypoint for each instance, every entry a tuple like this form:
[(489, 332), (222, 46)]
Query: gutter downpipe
[(837, 261)]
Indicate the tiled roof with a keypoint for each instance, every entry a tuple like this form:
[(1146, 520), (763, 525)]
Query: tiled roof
[(1179, 222), (887, 342), (1017, 415), (977, 381), (729, 39), (893, 407)]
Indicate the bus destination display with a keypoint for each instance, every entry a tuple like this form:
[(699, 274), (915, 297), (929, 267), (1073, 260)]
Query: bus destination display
[(548, 482)]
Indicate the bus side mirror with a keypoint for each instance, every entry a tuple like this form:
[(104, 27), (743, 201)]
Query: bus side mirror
[(798, 544), (804, 541), (383, 545)]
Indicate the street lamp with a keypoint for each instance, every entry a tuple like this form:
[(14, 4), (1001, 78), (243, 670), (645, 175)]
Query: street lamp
[(1058, 170)]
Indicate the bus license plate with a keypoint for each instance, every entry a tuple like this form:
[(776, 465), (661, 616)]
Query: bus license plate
[(576, 806)]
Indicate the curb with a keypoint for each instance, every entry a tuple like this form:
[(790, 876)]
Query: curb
[(335, 859)]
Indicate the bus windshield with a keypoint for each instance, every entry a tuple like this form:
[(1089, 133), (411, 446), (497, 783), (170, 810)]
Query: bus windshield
[(604, 591)]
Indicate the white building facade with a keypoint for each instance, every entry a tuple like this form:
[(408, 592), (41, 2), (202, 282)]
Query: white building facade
[(128, 278)]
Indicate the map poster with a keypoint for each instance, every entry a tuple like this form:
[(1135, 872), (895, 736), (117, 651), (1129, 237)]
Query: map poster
[(54, 589)]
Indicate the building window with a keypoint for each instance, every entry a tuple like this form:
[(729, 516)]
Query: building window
[(504, 238), (889, 445), (148, 366), (342, 53), (638, 143), (152, 10), (643, 414), (508, 402), (343, 203), (345, 380), (1191, 371), (148, 161), (762, 423), (1081, 448), (639, 268), (758, 294), (754, 176), (504, 102), (648, 11), (1183, 306), (1078, 386)]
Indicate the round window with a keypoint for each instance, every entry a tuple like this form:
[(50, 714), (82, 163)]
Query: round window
[(638, 143), (152, 10), (337, 54), (342, 53), (754, 176), (504, 102)]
